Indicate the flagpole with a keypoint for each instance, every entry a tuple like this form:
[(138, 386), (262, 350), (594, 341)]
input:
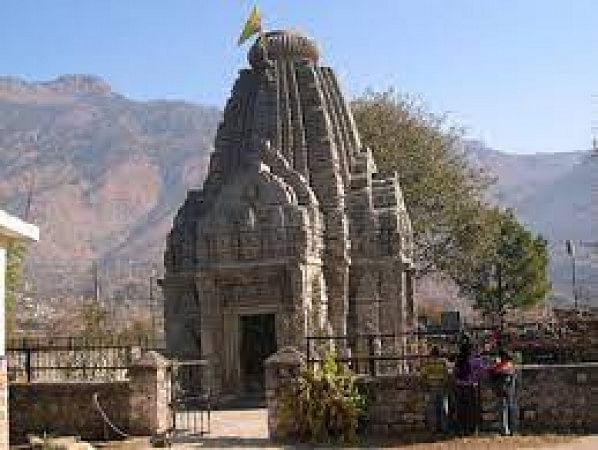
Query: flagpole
[(262, 42), (254, 26)]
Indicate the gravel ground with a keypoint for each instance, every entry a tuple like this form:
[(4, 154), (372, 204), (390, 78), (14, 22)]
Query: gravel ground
[(247, 428)]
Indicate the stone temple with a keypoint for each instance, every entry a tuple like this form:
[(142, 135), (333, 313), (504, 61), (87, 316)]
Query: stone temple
[(294, 232)]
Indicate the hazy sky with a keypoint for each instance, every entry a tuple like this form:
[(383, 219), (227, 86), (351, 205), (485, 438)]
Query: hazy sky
[(518, 74)]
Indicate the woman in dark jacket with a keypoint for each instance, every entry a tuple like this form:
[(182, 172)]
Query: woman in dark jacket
[(467, 373)]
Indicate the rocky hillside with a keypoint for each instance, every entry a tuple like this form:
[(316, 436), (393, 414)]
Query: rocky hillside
[(104, 175)]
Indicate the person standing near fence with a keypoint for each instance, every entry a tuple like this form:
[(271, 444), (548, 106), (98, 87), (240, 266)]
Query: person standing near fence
[(469, 369), (435, 373), (503, 377)]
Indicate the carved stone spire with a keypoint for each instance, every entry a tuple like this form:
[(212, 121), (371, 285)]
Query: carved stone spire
[(292, 216)]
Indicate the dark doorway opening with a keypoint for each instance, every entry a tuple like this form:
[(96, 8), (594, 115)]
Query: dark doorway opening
[(258, 341)]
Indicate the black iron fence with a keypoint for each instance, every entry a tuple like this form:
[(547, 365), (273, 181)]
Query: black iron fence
[(191, 397), (374, 354), (73, 358)]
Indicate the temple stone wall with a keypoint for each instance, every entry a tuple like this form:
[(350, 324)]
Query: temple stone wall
[(551, 399), (66, 409), (561, 398), (149, 396), (139, 406)]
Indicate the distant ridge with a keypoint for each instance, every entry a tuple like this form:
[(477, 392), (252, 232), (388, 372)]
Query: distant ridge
[(109, 172), (67, 84)]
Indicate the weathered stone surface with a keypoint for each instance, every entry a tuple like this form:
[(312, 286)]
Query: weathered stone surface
[(139, 406), (3, 401), (282, 372), (66, 409), (293, 220), (551, 399), (149, 395)]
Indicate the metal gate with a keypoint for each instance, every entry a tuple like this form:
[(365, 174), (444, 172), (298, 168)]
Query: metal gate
[(191, 400)]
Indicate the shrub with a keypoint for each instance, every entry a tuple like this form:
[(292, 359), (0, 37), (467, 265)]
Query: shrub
[(324, 406)]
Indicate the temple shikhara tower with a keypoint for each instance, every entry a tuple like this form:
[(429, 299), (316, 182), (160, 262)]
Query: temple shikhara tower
[(294, 232)]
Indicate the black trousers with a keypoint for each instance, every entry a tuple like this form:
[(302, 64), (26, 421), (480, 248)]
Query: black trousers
[(467, 409)]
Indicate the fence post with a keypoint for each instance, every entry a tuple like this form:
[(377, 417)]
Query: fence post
[(28, 364), (149, 412), (371, 360), (353, 352), (282, 370)]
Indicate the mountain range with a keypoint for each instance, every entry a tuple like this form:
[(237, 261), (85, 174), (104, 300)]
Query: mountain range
[(103, 176), (555, 194)]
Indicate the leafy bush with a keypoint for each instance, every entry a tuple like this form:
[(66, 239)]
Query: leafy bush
[(324, 406)]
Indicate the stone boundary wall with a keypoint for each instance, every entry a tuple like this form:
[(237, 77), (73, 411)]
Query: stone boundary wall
[(282, 371), (396, 404), (138, 406), (556, 399), (552, 398), (67, 409), (560, 398)]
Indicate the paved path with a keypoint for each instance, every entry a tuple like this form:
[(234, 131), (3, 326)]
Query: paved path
[(247, 428), (236, 428), (584, 443)]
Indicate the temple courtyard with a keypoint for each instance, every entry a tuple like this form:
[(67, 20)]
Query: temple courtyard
[(247, 428)]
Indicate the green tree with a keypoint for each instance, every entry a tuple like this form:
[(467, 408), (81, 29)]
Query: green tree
[(93, 321), (138, 330), (514, 275), (15, 255), (443, 193)]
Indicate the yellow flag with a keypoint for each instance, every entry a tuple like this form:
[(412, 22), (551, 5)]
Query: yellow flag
[(252, 26)]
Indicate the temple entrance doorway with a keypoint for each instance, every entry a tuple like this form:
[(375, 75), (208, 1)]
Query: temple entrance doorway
[(258, 341)]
